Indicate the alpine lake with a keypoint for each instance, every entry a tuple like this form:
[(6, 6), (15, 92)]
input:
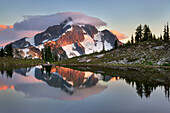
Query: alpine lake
[(55, 89)]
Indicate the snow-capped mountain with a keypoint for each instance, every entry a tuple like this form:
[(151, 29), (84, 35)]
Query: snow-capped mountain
[(67, 40)]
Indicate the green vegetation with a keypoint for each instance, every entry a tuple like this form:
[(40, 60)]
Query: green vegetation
[(7, 52), (9, 62), (48, 56), (166, 64)]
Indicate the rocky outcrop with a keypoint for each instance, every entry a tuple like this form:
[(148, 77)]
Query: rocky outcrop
[(79, 48), (57, 49), (91, 30), (29, 53), (22, 43), (74, 35)]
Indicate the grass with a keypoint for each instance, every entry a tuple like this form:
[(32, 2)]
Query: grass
[(8, 62)]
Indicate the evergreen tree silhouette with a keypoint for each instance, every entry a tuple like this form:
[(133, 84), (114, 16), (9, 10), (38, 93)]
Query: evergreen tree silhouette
[(9, 73), (116, 45), (132, 40), (138, 34), (48, 54), (147, 35), (167, 31), (2, 53), (42, 54), (9, 50), (161, 37)]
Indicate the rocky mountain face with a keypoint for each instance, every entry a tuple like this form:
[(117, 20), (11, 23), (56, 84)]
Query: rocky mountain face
[(67, 40)]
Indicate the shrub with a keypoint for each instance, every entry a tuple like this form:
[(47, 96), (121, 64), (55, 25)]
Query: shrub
[(166, 64), (150, 63)]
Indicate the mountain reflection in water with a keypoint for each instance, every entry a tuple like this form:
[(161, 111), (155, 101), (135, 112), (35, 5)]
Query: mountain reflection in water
[(70, 84), (65, 83)]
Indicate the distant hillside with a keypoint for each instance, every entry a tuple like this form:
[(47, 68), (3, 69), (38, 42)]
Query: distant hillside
[(151, 53)]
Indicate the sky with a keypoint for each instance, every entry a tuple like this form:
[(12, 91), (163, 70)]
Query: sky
[(120, 16)]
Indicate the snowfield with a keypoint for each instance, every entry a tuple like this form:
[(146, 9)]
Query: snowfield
[(91, 45), (69, 49)]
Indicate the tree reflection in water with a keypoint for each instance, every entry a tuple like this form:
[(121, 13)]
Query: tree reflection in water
[(145, 80), (8, 73)]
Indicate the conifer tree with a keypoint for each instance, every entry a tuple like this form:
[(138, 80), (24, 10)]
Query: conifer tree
[(154, 37), (167, 31), (160, 37), (138, 34), (56, 58), (9, 50), (147, 33), (116, 45), (128, 43), (2, 53), (42, 54), (132, 40), (136, 39), (48, 54)]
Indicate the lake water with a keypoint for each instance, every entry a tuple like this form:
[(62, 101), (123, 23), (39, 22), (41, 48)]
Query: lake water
[(63, 90)]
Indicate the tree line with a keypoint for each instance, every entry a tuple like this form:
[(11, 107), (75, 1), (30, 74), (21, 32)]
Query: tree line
[(7, 51), (143, 33), (48, 56)]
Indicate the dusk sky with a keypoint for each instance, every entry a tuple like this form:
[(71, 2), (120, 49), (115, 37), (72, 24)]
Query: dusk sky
[(121, 16)]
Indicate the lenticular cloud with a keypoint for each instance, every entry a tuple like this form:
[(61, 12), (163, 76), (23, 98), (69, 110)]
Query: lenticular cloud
[(40, 22)]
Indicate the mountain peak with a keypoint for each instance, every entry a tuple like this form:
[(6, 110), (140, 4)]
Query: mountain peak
[(69, 19)]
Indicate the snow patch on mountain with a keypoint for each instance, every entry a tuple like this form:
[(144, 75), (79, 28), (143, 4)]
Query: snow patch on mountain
[(26, 45), (45, 41), (40, 47), (107, 46), (30, 40), (98, 75), (88, 44), (69, 23), (56, 38), (70, 29), (69, 49), (98, 42), (91, 45)]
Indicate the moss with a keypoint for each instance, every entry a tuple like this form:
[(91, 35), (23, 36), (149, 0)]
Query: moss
[(150, 63), (166, 64)]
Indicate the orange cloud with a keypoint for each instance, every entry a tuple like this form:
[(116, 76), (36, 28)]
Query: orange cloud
[(2, 27), (4, 87), (115, 79), (120, 36)]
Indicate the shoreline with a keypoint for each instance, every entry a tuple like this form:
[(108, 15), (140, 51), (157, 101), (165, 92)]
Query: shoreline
[(110, 66), (15, 66)]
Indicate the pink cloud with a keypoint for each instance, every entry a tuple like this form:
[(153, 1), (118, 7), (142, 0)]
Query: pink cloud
[(8, 35), (41, 22)]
